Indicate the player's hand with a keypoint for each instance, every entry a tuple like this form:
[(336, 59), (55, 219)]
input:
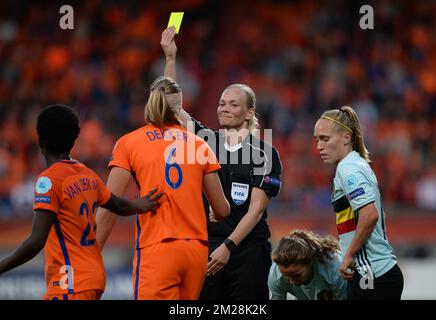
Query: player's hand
[(167, 42), (219, 259), (347, 268), (150, 201)]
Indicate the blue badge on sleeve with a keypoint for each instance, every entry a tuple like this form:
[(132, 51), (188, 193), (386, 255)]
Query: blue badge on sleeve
[(350, 180), (43, 185)]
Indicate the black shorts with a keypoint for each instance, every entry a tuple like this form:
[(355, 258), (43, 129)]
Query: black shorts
[(244, 277), (387, 287)]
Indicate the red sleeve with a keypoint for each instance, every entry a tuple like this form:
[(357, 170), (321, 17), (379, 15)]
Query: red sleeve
[(47, 195)]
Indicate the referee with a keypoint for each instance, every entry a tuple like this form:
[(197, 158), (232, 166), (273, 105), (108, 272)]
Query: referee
[(239, 250), (238, 245)]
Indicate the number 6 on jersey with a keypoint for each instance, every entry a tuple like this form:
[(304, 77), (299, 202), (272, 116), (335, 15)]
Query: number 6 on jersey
[(172, 164)]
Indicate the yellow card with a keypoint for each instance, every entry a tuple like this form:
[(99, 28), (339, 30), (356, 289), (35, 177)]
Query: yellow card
[(176, 20)]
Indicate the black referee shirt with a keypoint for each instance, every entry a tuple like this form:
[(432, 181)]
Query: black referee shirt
[(252, 163)]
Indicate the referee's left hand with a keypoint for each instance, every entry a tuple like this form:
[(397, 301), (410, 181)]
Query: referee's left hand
[(219, 259)]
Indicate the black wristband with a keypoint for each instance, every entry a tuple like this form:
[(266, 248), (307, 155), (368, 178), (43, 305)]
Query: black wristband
[(230, 245)]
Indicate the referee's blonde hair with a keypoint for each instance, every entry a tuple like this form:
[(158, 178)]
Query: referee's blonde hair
[(250, 98)]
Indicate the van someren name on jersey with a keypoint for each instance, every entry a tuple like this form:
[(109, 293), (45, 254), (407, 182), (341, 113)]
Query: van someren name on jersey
[(219, 309), (79, 186)]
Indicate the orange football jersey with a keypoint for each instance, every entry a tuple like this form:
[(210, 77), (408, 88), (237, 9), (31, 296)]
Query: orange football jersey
[(73, 259), (175, 160)]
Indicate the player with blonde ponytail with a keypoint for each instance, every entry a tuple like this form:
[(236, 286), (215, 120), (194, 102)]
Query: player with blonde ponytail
[(151, 156), (368, 263)]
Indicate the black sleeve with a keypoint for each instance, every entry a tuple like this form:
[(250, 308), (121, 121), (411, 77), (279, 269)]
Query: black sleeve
[(208, 135), (197, 127), (267, 177)]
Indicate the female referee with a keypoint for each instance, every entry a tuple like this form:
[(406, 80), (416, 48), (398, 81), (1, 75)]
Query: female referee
[(240, 253), (368, 263)]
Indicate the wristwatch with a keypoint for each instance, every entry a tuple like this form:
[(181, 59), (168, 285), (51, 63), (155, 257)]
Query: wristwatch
[(230, 245)]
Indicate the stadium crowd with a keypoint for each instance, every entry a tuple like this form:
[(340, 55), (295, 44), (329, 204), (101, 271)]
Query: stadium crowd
[(300, 58)]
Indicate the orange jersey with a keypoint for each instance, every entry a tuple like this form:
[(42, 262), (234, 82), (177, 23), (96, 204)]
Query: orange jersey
[(175, 161), (73, 259)]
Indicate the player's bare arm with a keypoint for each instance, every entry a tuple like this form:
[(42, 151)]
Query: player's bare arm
[(117, 183), (169, 47), (124, 207), (215, 196), (42, 223), (368, 218)]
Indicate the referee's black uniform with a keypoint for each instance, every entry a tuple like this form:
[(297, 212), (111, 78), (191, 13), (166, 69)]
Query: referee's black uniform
[(252, 163)]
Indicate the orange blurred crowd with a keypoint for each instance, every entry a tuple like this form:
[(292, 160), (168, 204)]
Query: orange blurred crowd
[(300, 58)]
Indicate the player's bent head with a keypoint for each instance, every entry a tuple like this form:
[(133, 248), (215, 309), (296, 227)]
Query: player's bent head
[(164, 102), (58, 128)]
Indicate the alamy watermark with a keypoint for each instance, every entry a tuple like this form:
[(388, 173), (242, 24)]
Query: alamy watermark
[(367, 20), (367, 280), (67, 280), (67, 20)]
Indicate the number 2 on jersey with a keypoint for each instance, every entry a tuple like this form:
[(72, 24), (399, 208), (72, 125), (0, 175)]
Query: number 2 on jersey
[(173, 164), (84, 241)]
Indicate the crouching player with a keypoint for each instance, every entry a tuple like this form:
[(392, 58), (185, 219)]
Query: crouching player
[(306, 266)]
